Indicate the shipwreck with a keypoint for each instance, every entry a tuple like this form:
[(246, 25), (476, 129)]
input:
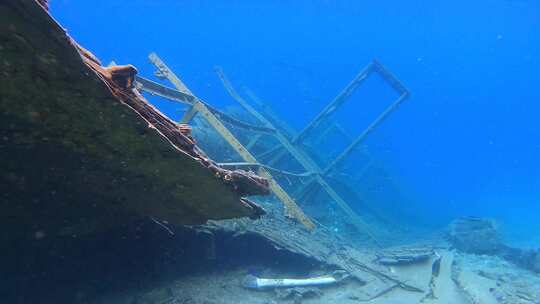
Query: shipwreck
[(104, 199), (82, 150)]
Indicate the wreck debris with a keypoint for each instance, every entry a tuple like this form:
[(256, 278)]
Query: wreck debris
[(311, 167), (525, 258), (474, 235), (321, 248), (275, 128), (475, 288), (435, 271), (480, 236), (536, 262), (404, 255), (298, 294), (315, 174)]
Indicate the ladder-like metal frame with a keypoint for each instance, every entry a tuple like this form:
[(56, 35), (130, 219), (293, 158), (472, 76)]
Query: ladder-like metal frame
[(373, 67)]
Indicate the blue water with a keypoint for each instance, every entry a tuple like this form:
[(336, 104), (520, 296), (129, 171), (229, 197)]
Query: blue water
[(465, 143)]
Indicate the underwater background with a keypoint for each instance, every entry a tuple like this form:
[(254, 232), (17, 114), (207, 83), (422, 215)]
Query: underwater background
[(466, 141)]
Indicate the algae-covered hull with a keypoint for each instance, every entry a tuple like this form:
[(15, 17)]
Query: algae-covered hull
[(77, 158)]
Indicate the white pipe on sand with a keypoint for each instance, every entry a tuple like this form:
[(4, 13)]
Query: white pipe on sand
[(253, 282)]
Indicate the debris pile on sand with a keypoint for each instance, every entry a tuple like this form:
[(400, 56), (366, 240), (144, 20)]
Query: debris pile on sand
[(474, 235), (491, 279)]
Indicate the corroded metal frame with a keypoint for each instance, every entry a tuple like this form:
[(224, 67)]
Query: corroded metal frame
[(294, 148)]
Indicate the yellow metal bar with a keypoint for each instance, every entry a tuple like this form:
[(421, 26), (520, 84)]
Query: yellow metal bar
[(291, 209), (188, 116), (166, 72), (156, 89)]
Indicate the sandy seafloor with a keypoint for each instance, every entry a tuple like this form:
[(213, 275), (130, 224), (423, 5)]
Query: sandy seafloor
[(462, 279), (481, 279)]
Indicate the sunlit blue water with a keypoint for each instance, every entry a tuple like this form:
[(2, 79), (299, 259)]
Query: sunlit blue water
[(465, 143)]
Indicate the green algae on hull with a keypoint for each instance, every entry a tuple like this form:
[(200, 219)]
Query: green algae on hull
[(78, 159)]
